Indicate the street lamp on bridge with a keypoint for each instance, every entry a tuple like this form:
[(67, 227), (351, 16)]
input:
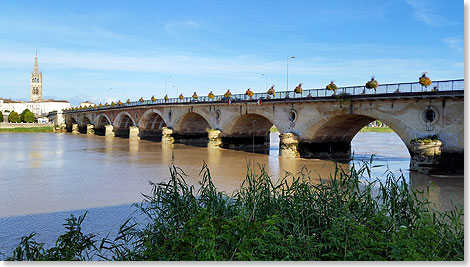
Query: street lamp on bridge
[(287, 84), (165, 82), (262, 74)]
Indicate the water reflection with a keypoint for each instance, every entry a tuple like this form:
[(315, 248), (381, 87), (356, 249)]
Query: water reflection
[(42, 174), (442, 191), (65, 172), (167, 153), (35, 159)]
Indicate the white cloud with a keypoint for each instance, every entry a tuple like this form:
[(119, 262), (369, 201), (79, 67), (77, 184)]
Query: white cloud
[(455, 43), (172, 27), (424, 11), (211, 66)]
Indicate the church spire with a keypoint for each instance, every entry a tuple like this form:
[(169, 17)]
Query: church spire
[(36, 82), (36, 68)]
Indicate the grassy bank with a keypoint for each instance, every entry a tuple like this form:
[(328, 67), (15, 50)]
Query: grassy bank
[(27, 130), (339, 219), (377, 129)]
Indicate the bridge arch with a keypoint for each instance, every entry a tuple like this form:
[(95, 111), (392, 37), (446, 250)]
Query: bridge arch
[(192, 123), (152, 119), (122, 124), (82, 126), (248, 131), (124, 120), (69, 121), (151, 123), (192, 120), (248, 125), (230, 125), (84, 121), (101, 120), (335, 131)]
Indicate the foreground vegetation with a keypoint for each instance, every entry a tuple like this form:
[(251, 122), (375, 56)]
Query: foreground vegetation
[(342, 218), (44, 129)]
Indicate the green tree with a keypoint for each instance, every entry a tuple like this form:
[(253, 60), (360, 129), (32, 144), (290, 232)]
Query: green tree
[(29, 117), (23, 113), (1, 116), (14, 117)]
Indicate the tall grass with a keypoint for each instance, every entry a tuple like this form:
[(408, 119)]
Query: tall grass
[(344, 217)]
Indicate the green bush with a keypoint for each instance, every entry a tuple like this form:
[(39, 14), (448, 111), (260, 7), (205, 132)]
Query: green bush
[(1, 117), (29, 117), (14, 117), (343, 218)]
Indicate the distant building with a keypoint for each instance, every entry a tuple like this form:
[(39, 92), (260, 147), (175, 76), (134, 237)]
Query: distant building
[(36, 104), (86, 104)]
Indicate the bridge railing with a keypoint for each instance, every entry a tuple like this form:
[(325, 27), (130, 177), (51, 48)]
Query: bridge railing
[(414, 87)]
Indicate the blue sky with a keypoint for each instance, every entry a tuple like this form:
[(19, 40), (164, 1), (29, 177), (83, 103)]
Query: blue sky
[(110, 50)]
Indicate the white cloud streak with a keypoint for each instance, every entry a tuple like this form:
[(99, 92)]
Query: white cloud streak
[(455, 43), (424, 11), (242, 66)]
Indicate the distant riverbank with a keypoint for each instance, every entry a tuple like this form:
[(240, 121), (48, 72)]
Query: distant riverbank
[(377, 129), (26, 128), (365, 129)]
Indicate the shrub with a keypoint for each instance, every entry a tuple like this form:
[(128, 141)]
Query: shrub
[(426, 140), (14, 117), (1, 117)]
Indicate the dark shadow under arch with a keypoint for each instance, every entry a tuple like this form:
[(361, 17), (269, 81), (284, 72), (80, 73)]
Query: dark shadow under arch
[(192, 130), (82, 128), (250, 133), (71, 121), (333, 139), (123, 125), (100, 127), (151, 127)]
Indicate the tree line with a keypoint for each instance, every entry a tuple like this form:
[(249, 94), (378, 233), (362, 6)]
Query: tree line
[(25, 116)]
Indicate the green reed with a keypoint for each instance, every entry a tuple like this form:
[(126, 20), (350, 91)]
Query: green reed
[(347, 216)]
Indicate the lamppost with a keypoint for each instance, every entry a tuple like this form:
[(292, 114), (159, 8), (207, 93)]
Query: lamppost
[(109, 94), (165, 82), (262, 74), (287, 84)]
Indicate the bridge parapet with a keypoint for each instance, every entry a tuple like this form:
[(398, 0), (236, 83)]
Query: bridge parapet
[(384, 90)]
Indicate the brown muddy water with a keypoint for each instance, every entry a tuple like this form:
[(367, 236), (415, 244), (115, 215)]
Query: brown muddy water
[(45, 177)]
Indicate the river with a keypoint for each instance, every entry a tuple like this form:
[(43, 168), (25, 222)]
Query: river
[(45, 177)]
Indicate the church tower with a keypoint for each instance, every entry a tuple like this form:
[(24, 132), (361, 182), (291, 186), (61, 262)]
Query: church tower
[(35, 89)]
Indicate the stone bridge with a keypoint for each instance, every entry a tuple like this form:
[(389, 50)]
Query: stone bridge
[(316, 123)]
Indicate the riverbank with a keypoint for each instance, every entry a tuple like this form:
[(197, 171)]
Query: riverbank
[(48, 129), (26, 127)]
